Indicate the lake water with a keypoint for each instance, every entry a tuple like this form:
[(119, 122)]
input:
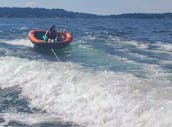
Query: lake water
[(115, 73)]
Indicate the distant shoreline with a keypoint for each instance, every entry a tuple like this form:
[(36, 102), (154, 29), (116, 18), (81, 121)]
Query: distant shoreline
[(16, 12)]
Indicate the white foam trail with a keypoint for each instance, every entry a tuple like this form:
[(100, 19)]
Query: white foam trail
[(91, 98), (136, 44), (24, 42), (161, 47), (87, 97), (164, 46), (23, 28)]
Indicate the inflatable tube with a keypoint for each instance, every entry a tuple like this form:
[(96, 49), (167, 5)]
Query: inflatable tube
[(36, 37)]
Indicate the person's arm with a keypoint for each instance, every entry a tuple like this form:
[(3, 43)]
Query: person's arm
[(46, 34)]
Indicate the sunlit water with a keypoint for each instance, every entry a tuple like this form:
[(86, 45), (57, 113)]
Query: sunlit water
[(115, 73)]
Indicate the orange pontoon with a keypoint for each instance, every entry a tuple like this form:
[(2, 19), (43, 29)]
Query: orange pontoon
[(36, 37)]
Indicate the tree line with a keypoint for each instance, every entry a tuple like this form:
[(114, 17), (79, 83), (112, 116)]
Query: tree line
[(17, 12)]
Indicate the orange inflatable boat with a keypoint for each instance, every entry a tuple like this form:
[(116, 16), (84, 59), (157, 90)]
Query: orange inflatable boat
[(37, 38)]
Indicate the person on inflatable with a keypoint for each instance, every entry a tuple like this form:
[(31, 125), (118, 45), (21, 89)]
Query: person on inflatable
[(51, 35)]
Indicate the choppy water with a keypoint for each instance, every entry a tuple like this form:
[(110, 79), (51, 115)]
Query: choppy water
[(115, 73)]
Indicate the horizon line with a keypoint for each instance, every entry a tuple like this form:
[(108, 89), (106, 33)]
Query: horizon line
[(148, 13)]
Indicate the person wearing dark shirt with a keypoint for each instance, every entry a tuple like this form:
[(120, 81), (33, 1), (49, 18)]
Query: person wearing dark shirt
[(51, 34)]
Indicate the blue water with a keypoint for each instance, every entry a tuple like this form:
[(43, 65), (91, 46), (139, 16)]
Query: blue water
[(115, 73)]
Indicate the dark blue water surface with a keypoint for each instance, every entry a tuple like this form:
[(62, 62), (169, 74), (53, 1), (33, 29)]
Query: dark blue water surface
[(139, 29)]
